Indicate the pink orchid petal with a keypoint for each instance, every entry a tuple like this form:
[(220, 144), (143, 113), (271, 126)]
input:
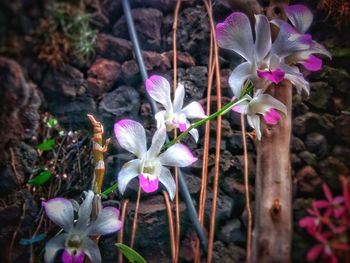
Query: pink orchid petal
[(338, 200), (147, 185), (340, 246), (314, 253), (339, 212), (313, 63), (321, 204), (327, 193), (307, 221), (276, 75), (68, 258), (272, 116), (158, 88)]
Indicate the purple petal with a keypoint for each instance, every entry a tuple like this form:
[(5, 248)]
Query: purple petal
[(300, 16), (159, 89), (272, 117), (263, 36), (148, 185), (313, 63), (107, 222), (321, 204), (53, 246), (177, 155), (307, 221), (235, 34), (131, 136), (314, 252), (68, 258), (60, 211), (276, 75)]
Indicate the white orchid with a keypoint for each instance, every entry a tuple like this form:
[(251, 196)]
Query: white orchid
[(75, 240), (149, 165), (301, 18), (174, 116), (264, 60), (260, 105)]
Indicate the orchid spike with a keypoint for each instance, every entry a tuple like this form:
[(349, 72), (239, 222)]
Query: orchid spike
[(174, 116), (301, 18), (149, 165), (264, 60), (260, 104), (75, 240)]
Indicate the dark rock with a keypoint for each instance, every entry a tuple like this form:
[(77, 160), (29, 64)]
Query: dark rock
[(65, 82), (320, 94), (342, 128), (148, 23), (299, 107), (112, 9), (307, 180), (102, 75), (8, 181), (296, 161), (308, 158), (232, 187), (317, 144), (342, 153), (71, 113), (153, 62), (193, 183), (297, 145), (330, 169), (224, 206), (120, 103), (338, 78), (231, 232), (224, 76), (113, 48), (312, 122), (223, 8), (26, 159), (228, 254)]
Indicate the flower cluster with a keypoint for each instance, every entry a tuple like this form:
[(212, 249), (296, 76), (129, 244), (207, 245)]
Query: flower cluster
[(269, 62), (75, 240), (329, 223)]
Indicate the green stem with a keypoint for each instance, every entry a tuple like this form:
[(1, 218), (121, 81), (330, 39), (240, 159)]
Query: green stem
[(246, 90)]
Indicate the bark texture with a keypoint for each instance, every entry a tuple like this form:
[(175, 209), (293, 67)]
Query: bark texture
[(273, 214)]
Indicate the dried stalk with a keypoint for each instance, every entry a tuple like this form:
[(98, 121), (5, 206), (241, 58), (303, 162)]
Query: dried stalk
[(171, 226), (134, 223), (273, 211), (218, 137), (121, 231), (246, 190)]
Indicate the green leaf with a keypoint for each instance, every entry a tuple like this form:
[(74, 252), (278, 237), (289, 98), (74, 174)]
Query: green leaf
[(130, 254), (47, 145), (52, 122), (41, 179), (109, 190)]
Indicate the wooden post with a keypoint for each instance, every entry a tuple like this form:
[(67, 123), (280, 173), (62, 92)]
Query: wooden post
[(273, 208)]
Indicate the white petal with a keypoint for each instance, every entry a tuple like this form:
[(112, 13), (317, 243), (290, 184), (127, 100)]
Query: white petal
[(60, 211), (195, 135), (53, 246), (157, 143), (131, 136), (289, 41), (194, 110), (317, 48), (129, 171), (254, 122), (263, 36), (179, 97), (107, 222), (238, 76), (168, 181), (177, 155), (241, 107), (296, 78), (300, 16), (159, 90), (85, 211), (263, 103), (235, 34), (160, 118), (91, 250)]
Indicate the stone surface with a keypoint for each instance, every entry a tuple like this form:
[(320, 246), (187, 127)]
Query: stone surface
[(228, 254), (317, 144), (307, 180), (148, 23), (232, 232), (320, 93), (102, 76), (113, 48), (224, 206)]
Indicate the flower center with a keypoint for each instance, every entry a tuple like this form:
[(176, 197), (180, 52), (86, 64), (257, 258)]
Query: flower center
[(74, 242)]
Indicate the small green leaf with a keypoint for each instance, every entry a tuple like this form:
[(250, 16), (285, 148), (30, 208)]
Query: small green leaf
[(41, 179), (47, 145), (130, 254), (52, 122), (109, 190)]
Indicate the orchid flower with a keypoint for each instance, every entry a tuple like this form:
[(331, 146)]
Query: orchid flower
[(149, 165), (75, 240), (260, 104), (264, 60), (174, 116), (301, 18), (332, 203)]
